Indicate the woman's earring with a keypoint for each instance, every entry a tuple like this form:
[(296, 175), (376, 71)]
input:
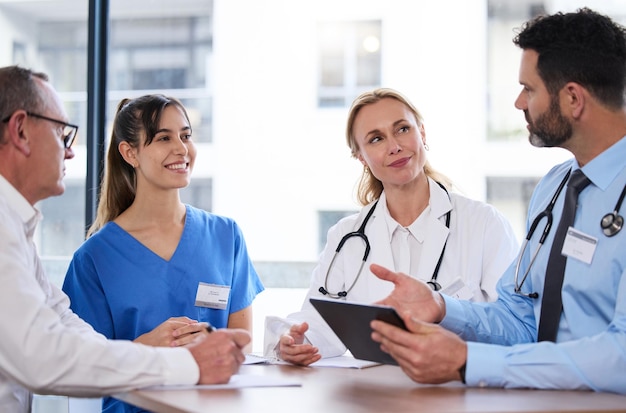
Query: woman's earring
[(426, 146)]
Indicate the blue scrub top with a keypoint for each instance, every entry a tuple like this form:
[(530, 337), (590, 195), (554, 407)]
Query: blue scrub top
[(125, 290)]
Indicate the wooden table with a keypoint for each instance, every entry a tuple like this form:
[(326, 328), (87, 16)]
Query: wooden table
[(373, 389)]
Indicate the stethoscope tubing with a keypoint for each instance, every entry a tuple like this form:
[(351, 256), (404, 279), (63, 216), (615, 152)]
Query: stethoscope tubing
[(358, 233), (609, 229), (361, 234)]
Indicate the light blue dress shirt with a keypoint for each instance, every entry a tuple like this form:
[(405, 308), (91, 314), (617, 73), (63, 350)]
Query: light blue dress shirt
[(590, 352)]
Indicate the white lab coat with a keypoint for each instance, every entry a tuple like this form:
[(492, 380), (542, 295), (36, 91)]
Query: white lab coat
[(480, 245)]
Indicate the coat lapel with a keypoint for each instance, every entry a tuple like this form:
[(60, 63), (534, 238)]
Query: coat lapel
[(437, 232)]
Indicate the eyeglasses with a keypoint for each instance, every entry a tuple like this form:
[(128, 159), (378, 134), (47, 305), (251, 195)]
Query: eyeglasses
[(69, 130)]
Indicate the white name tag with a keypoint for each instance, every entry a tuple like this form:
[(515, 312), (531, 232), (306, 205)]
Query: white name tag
[(579, 245), (212, 296), (458, 290)]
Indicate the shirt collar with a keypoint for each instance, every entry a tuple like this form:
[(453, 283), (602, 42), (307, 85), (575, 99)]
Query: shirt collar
[(391, 223), (417, 228), (438, 205), (29, 215), (604, 168)]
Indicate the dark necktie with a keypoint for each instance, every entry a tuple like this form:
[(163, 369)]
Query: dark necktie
[(551, 304)]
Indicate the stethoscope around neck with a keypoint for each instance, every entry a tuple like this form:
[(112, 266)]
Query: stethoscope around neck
[(360, 233), (611, 224)]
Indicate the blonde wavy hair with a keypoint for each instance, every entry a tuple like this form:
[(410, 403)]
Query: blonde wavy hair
[(369, 187)]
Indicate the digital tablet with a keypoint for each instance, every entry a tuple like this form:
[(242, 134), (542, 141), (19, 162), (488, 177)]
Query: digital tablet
[(351, 323)]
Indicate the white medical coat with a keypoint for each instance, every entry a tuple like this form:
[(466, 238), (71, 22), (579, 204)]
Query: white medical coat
[(480, 245)]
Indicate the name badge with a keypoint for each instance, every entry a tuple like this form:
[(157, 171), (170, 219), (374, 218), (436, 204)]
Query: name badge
[(579, 245), (212, 296), (458, 290)]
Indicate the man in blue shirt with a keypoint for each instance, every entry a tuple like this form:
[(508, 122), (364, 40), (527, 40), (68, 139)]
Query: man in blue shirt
[(573, 73)]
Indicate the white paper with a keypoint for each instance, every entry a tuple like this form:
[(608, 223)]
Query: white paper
[(256, 359), (347, 362)]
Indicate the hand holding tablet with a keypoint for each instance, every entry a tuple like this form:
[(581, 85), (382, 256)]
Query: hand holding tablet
[(351, 323)]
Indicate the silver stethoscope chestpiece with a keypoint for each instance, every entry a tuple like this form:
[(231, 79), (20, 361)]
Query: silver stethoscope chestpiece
[(612, 223)]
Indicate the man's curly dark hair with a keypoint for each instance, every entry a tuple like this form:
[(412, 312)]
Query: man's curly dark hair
[(584, 47)]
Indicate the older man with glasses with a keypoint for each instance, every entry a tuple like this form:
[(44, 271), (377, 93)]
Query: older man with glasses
[(69, 131), (45, 347)]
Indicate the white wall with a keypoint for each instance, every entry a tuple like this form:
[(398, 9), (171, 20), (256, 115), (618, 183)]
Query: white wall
[(277, 167), (16, 28), (277, 159)]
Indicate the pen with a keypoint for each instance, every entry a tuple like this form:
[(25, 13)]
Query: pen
[(209, 328)]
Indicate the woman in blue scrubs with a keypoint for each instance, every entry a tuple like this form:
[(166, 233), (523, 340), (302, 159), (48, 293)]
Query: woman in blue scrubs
[(153, 269)]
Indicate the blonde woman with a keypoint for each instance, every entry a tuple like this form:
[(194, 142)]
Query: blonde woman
[(413, 222)]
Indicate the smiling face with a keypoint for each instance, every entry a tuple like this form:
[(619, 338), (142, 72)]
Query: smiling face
[(546, 124), (167, 161), (390, 142)]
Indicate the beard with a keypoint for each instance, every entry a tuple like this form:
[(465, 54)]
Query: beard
[(550, 129)]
